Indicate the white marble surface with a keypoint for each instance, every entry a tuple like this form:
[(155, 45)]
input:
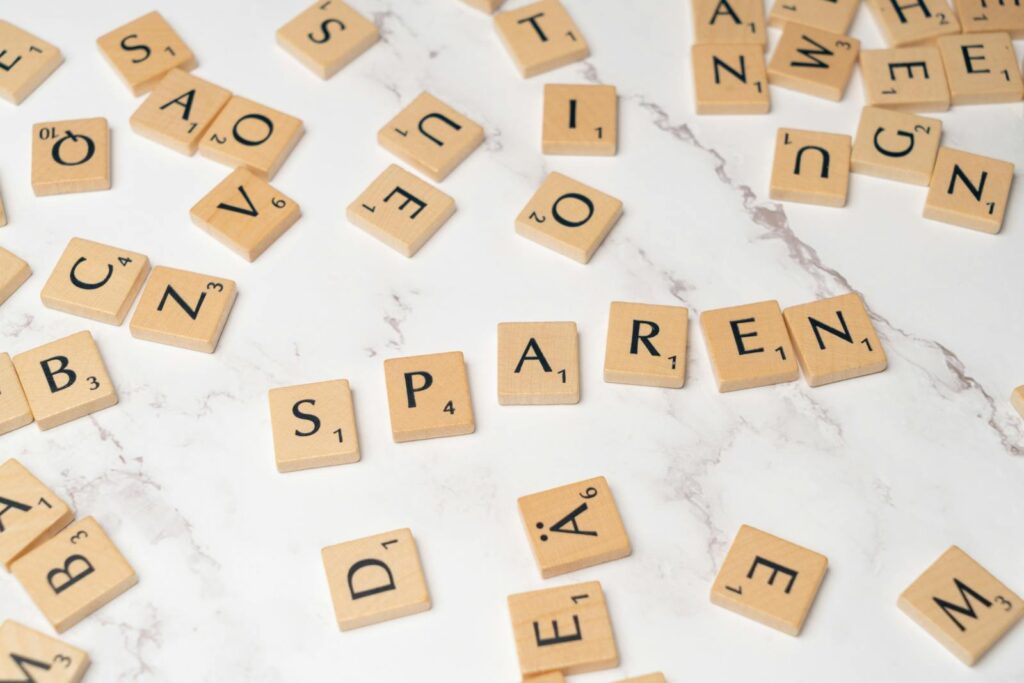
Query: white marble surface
[(881, 474)]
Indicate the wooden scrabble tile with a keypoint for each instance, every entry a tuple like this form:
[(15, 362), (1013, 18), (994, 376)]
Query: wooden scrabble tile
[(95, 281), (375, 579), (646, 345), (910, 79), (538, 364), (326, 36), (182, 308), (13, 273), (401, 210), (748, 346), (728, 22), (488, 6), (730, 79), (430, 136), (74, 573), (245, 214), (896, 145), (428, 396), (30, 513), (568, 217), (983, 16), (969, 190), (813, 61), (179, 110), (25, 62), (1017, 399), (70, 156), (580, 119), (14, 409), (540, 37), (314, 425), (549, 677), (981, 68), (811, 167), (828, 15), (961, 605), (646, 678), (770, 580), (145, 49), (253, 135), (565, 628), (908, 22), (26, 652), (573, 527), (65, 380)]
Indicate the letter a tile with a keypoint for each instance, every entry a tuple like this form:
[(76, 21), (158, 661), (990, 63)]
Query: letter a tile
[(14, 410), (27, 62), (145, 49), (326, 36), (70, 156), (183, 309), (811, 167), (969, 190), (430, 136), (314, 425), (749, 346), (728, 22), (646, 345), (540, 37), (31, 513), (538, 364), (95, 281), (179, 110), (428, 396), (23, 648)]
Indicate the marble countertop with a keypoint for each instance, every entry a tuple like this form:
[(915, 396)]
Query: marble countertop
[(880, 474)]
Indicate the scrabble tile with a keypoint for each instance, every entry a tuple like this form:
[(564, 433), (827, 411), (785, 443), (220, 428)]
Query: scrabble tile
[(95, 281), (326, 36), (969, 190), (13, 273), (1017, 399), (580, 119), (961, 605), (728, 22), (828, 15), (145, 49), (430, 136), (770, 580), (25, 62), (428, 396), (647, 678), (549, 677), (185, 309), (540, 37), (14, 409), (813, 61), (573, 527), (401, 210), (646, 345), (30, 513), (65, 380), (565, 628), (70, 156), (748, 346), (981, 68), (179, 110), (375, 579), (909, 22), (568, 217), (252, 135), (538, 364), (910, 79), (26, 652), (245, 213), (730, 79), (811, 167), (314, 425), (983, 16), (488, 6), (74, 573), (896, 145)]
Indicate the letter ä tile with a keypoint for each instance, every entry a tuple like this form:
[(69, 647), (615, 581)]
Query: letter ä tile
[(728, 22), (540, 37), (428, 396), (70, 156), (21, 648), (646, 345), (538, 364), (749, 346), (14, 409), (30, 513), (909, 79), (13, 273), (430, 136), (95, 281), (145, 49), (811, 167), (326, 36), (249, 134), (27, 61), (179, 110), (314, 425), (183, 309), (909, 22)]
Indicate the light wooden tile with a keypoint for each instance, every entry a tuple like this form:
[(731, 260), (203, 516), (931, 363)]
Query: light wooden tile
[(730, 79), (95, 281), (983, 16), (14, 409), (549, 677), (828, 15), (568, 217), (179, 110), (566, 629), (375, 579), (896, 145), (428, 396), (770, 580), (834, 339), (245, 213), (580, 119), (182, 308), (961, 605), (813, 61), (65, 380), (646, 345), (314, 425), (1017, 399), (145, 49), (730, 22), (969, 190), (748, 346), (909, 79), (28, 656), (646, 678), (981, 68), (13, 273), (811, 167), (538, 363), (909, 22), (252, 135), (401, 210), (30, 513), (70, 156), (327, 35), (74, 573), (26, 60), (430, 136), (489, 6), (540, 37)]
